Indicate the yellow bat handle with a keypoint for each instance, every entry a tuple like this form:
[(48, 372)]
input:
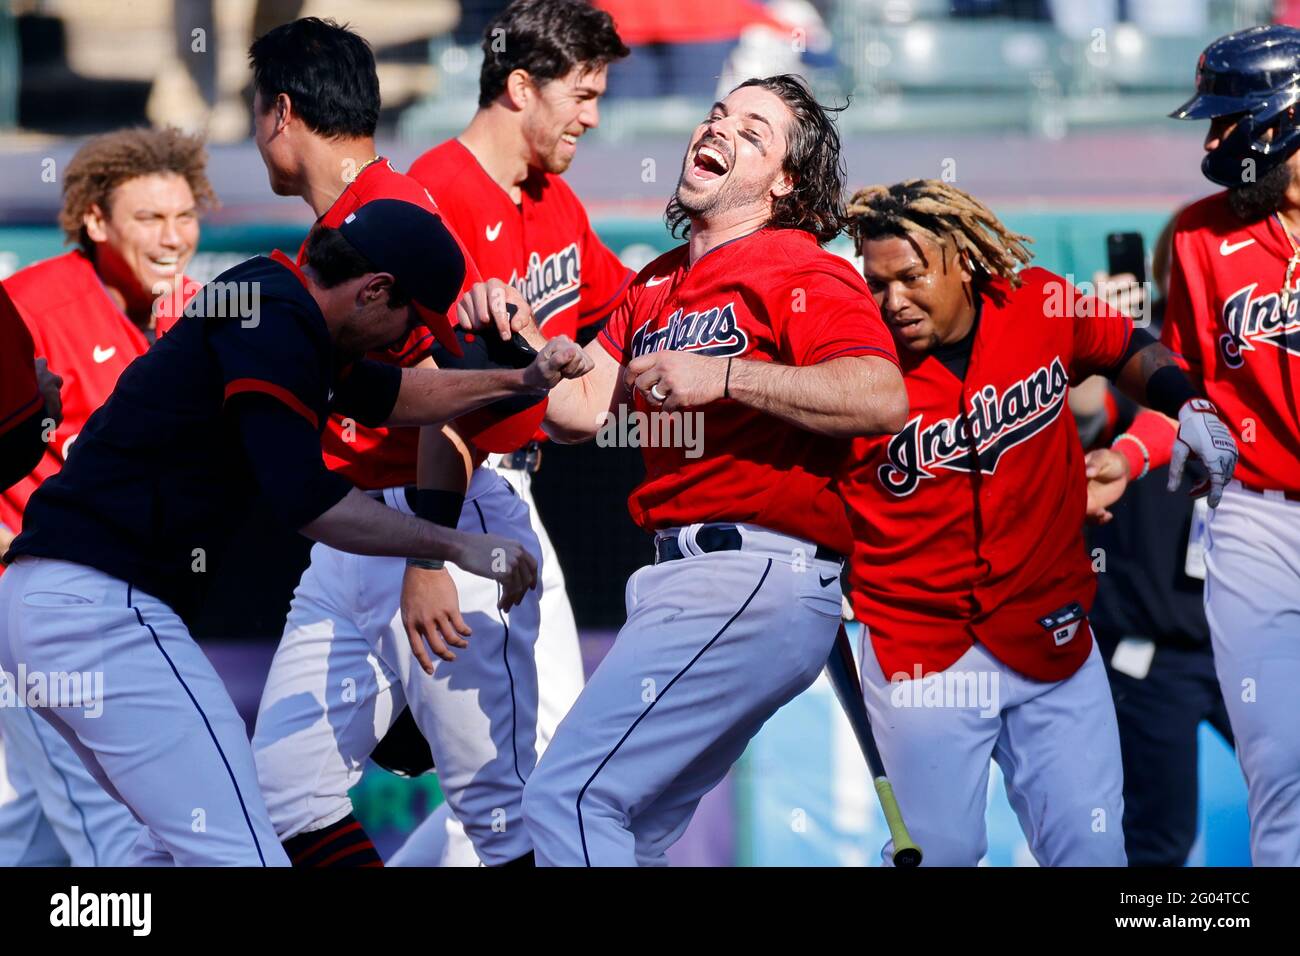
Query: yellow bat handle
[(906, 853)]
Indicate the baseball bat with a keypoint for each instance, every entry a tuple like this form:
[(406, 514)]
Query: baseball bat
[(843, 674)]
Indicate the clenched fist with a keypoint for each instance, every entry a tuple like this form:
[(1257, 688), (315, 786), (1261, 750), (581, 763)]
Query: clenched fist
[(678, 379), (559, 359)]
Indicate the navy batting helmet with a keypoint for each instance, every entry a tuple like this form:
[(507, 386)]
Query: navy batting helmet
[(1254, 75)]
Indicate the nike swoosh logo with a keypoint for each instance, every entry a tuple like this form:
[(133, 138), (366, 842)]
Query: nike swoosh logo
[(826, 581), (103, 355), (493, 231), (1226, 250), (656, 280)]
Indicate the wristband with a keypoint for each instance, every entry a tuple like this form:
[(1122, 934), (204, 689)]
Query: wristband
[(1156, 434), (426, 564), (1133, 447), (726, 383), (1168, 390), (441, 507)]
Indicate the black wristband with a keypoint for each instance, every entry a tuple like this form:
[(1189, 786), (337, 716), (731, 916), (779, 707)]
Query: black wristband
[(440, 507), (1168, 390)]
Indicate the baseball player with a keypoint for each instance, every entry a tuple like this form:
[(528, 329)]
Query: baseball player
[(969, 571), (779, 366), (225, 411), (351, 666), (131, 204), (500, 186), (1232, 316)]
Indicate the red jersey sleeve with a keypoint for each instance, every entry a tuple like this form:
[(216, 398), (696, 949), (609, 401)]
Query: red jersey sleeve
[(1186, 305), (1101, 332), (605, 279), (828, 315), (613, 337)]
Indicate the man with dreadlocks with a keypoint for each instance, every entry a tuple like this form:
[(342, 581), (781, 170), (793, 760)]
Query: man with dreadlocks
[(969, 569), (770, 349)]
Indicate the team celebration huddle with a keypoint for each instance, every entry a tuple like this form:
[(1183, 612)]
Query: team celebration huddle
[(888, 445)]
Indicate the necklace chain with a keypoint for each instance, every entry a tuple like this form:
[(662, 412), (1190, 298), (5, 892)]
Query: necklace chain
[(364, 166), (1287, 287)]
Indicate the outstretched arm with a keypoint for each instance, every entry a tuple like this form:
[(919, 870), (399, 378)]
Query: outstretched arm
[(431, 396)]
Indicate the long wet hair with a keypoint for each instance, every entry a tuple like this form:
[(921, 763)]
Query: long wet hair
[(812, 160)]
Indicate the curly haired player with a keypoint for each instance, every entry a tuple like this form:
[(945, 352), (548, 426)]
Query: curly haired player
[(132, 200), (969, 569)]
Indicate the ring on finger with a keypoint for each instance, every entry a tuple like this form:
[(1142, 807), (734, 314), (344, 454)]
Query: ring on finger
[(658, 395)]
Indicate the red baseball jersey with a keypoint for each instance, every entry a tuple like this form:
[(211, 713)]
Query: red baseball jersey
[(544, 247), (381, 457), (803, 306), (1226, 318), (84, 337), (19, 396), (968, 523)]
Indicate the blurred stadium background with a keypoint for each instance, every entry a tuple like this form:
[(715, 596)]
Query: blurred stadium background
[(1052, 111)]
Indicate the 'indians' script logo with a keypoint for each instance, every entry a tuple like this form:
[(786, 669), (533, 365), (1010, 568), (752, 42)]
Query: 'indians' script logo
[(976, 440), (551, 284), (1249, 321), (710, 332)]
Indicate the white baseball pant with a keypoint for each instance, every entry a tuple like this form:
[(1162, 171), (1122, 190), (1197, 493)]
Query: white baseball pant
[(156, 729), (91, 827), (26, 837), (440, 839), (1252, 601), (1057, 743), (714, 644), (344, 670)]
